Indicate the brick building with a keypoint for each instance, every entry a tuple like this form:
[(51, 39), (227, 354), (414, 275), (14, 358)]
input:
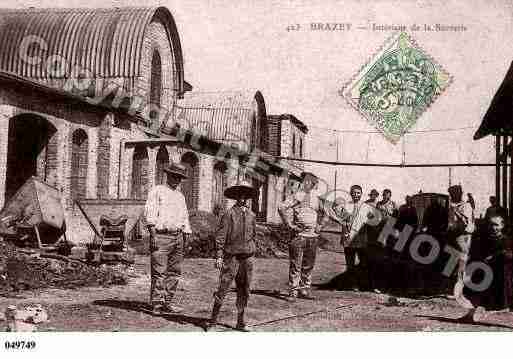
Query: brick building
[(90, 98)]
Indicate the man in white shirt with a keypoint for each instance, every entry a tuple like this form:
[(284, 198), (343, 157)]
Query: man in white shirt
[(357, 217), (305, 223), (167, 219)]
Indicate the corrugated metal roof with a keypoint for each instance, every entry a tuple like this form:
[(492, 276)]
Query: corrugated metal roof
[(107, 42), (221, 116)]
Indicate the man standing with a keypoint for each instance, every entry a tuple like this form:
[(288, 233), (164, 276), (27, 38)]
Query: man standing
[(495, 209), (387, 207), (373, 197), (167, 219), (460, 228), (305, 224), (235, 245), (356, 216)]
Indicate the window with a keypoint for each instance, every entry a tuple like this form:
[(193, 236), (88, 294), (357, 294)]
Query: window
[(190, 185), (218, 186), (294, 144), (300, 147), (140, 173), (162, 161), (155, 84), (79, 161)]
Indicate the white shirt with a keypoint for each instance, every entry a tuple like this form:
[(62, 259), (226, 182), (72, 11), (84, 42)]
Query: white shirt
[(166, 209), (305, 208)]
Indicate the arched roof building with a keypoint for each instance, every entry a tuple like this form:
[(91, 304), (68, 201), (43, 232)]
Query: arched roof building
[(99, 47)]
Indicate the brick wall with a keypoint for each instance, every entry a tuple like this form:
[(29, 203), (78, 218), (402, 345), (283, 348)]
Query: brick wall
[(156, 39)]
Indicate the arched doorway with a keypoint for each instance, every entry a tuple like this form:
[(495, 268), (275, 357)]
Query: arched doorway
[(190, 185), (79, 161), (162, 161), (140, 173), (218, 186), (31, 151)]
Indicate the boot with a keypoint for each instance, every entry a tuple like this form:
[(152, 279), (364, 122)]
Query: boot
[(212, 322), (241, 323)]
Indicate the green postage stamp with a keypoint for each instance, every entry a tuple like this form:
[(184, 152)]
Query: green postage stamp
[(397, 85)]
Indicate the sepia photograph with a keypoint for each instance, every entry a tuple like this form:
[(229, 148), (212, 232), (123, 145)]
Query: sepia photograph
[(211, 166)]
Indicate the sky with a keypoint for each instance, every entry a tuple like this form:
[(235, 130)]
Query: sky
[(239, 45)]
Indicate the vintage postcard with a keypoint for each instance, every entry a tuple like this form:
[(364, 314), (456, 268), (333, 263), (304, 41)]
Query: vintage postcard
[(255, 166)]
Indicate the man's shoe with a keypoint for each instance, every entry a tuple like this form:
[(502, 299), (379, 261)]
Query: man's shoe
[(241, 326), (292, 297), (157, 309), (209, 324), (305, 294), (241, 323), (171, 309)]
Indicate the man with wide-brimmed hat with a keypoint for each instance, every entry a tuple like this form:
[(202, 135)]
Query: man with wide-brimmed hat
[(235, 248), (167, 219), (302, 214)]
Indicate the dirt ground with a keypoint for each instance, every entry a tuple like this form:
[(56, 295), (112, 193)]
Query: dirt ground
[(124, 308)]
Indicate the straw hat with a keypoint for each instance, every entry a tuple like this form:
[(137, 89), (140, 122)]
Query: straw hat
[(176, 169), (242, 190)]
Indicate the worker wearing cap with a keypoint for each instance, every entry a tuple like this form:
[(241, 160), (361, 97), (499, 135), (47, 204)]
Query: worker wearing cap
[(305, 224), (167, 219), (235, 248)]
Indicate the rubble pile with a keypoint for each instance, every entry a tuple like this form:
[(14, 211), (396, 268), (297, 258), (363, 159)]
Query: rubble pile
[(25, 271)]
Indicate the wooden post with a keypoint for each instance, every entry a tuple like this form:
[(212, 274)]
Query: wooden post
[(497, 168), (504, 174), (509, 155)]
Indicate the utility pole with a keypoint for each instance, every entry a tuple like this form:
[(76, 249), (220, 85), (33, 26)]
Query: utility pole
[(336, 170), (450, 176)]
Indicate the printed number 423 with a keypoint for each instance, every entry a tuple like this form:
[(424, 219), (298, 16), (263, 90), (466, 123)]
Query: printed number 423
[(293, 27)]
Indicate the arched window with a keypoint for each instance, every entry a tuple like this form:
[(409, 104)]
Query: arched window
[(162, 161), (79, 160), (140, 173), (294, 143), (155, 84), (190, 185), (219, 185), (301, 147)]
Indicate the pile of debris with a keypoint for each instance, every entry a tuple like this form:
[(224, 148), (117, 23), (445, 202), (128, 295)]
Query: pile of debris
[(23, 270), (25, 319)]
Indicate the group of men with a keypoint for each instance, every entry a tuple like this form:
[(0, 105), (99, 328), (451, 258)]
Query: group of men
[(304, 214)]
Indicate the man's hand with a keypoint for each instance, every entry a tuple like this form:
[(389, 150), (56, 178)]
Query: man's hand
[(219, 263), (294, 228), (187, 241)]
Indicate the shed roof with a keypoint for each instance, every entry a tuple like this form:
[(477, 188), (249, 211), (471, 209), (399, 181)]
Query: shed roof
[(288, 117), (107, 42), (498, 119)]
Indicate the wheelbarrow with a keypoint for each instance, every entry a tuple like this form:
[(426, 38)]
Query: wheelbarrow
[(34, 216)]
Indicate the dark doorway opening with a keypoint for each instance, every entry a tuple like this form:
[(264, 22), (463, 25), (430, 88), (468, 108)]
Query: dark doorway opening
[(28, 151)]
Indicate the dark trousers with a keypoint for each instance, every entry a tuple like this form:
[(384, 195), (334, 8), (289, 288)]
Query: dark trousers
[(362, 272), (240, 268), (302, 254), (166, 267)]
